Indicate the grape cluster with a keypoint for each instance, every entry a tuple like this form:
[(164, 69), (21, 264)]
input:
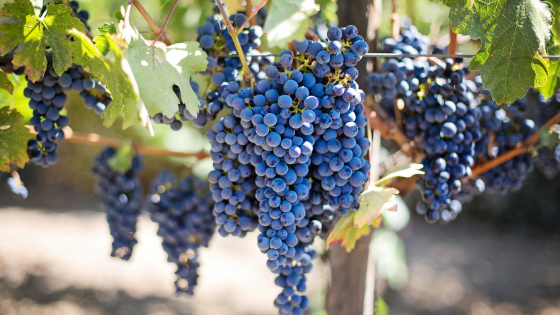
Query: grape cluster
[(508, 127), (295, 127), (548, 159), (448, 128), (122, 199), (47, 98), (409, 41), (213, 36), (83, 15), (183, 211)]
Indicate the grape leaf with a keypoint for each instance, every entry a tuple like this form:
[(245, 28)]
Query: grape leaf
[(511, 32), (5, 82), (406, 170), (345, 233), (37, 33), (158, 69), (553, 79), (115, 74), (372, 204), (122, 160), (549, 137), (288, 20), (13, 139), (101, 42)]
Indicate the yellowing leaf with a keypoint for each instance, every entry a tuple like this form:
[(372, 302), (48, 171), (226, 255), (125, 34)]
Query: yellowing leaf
[(36, 33), (345, 234), (372, 204), (406, 170), (13, 139), (288, 20)]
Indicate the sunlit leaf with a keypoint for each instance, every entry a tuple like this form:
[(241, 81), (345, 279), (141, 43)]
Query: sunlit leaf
[(13, 139)]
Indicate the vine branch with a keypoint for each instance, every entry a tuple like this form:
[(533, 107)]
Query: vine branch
[(247, 74), (151, 22), (165, 23), (98, 140)]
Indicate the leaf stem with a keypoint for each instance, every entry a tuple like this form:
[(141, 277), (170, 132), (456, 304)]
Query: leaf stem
[(151, 22), (251, 17), (453, 43), (247, 74), (165, 23), (98, 140)]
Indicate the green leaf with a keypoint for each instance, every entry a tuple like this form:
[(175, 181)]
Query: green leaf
[(345, 233), (101, 42), (372, 204), (122, 160), (406, 170), (37, 33), (511, 32), (115, 74), (288, 20), (157, 70), (5, 82), (13, 139), (553, 79), (549, 137)]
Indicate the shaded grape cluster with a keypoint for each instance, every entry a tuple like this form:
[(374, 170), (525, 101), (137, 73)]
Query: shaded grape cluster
[(183, 211), (122, 198)]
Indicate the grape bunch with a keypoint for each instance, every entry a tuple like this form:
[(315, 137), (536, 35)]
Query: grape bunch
[(508, 127), (548, 159), (290, 125), (183, 210), (409, 41), (83, 15), (400, 78), (47, 98), (122, 199), (450, 129)]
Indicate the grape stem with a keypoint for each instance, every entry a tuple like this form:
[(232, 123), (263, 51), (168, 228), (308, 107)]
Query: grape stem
[(151, 22), (98, 140), (395, 21), (165, 23), (453, 43), (247, 74), (521, 148)]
